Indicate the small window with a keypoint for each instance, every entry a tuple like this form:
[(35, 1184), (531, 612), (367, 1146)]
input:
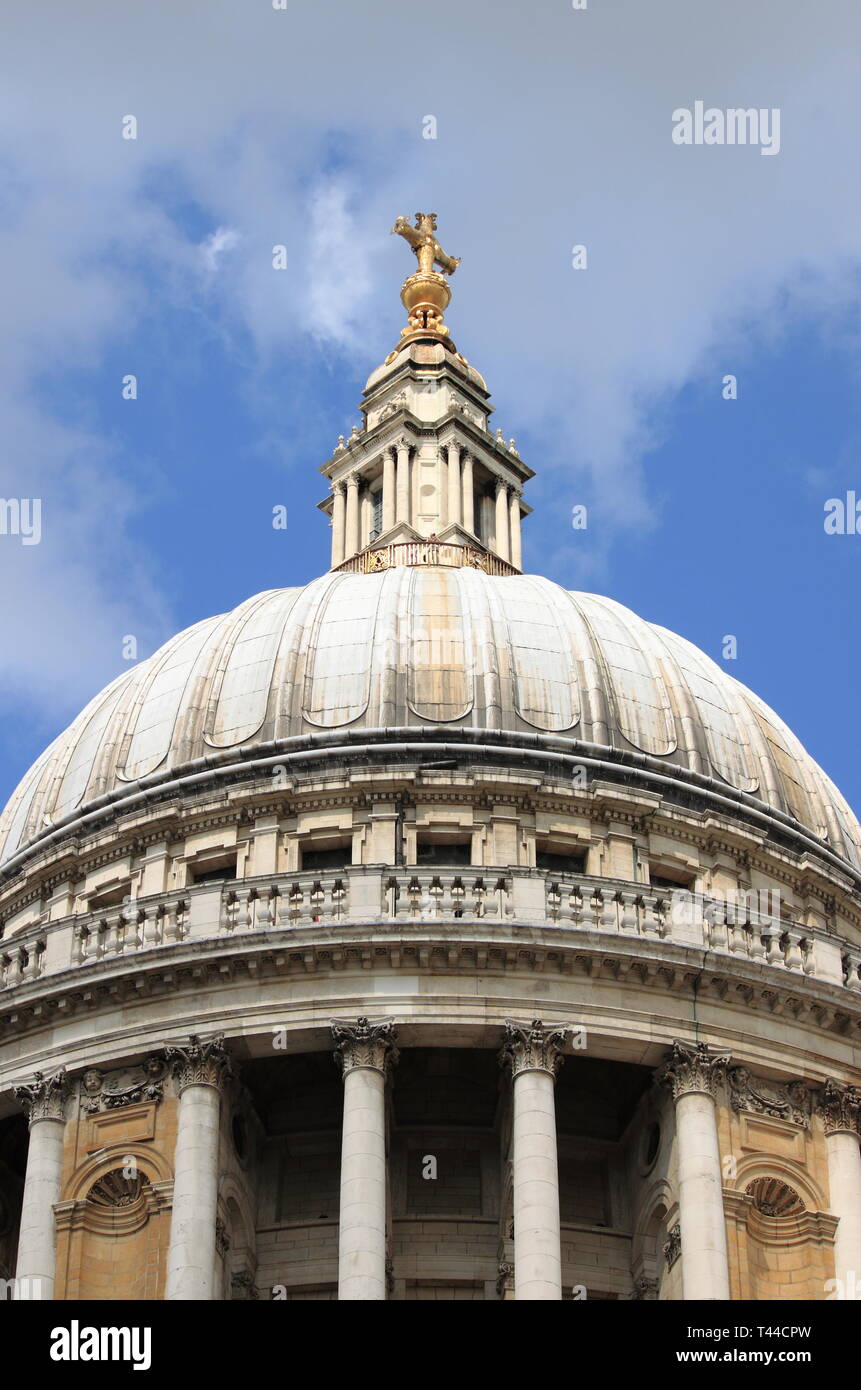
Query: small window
[(209, 870), (339, 858), (432, 852), (110, 897), (559, 863), (377, 517), (670, 879)]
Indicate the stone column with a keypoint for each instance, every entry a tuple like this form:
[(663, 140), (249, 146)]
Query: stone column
[(45, 1100), (402, 505), (468, 493), (389, 488), (502, 547), (692, 1073), (366, 1051), (353, 543), (338, 524), (200, 1070), (840, 1108), (516, 556), (534, 1054), (454, 484)]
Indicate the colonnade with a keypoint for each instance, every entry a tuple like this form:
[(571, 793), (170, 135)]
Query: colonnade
[(456, 502), (367, 1053)]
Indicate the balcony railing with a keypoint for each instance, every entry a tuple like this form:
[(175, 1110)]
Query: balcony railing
[(428, 552), (405, 898)]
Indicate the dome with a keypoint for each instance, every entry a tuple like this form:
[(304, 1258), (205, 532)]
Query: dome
[(430, 648)]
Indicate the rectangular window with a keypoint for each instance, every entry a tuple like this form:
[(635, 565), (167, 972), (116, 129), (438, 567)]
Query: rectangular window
[(109, 897), (338, 858), (560, 862), (432, 852), (669, 878), (210, 870), (377, 513)]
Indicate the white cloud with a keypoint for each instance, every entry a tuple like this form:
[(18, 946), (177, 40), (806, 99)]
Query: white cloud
[(214, 246)]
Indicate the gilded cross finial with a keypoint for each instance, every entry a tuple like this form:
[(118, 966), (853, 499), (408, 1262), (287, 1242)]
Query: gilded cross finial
[(425, 295)]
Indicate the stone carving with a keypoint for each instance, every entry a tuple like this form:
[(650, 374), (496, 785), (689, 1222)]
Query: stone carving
[(115, 1189), (505, 1279), (673, 1245), (361, 1043), (199, 1063), (645, 1290), (532, 1047), (101, 1091), (771, 1197), (690, 1069), (398, 402), (786, 1100), (243, 1287), (45, 1097), (840, 1108), (222, 1238)]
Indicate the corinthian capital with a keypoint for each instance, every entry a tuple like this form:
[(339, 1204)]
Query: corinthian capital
[(199, 1063), (532, 1047), (362, 1044), (45, 1097), (692, 1069), (840, 1108)]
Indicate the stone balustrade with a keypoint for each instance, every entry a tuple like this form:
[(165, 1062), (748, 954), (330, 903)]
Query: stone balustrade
[(407, 897)]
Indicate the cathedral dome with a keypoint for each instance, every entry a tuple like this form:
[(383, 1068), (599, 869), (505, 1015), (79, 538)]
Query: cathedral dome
[(430, 651), (424, 808)]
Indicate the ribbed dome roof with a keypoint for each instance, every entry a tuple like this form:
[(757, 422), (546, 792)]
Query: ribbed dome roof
[(425, 647)]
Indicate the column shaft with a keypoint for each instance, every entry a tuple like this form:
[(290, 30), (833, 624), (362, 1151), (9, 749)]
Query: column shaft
[(537, 1250), (402, 508), (844, 1184), (514, 520), (338, 525), (37, 1239), (502, 546), (454, 484), (352, 542), (190, 1265), (468, 494), (388, 489), (362, 1231), (705, 1273)]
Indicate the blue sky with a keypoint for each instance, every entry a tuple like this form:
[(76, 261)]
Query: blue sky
[(259, 128)]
